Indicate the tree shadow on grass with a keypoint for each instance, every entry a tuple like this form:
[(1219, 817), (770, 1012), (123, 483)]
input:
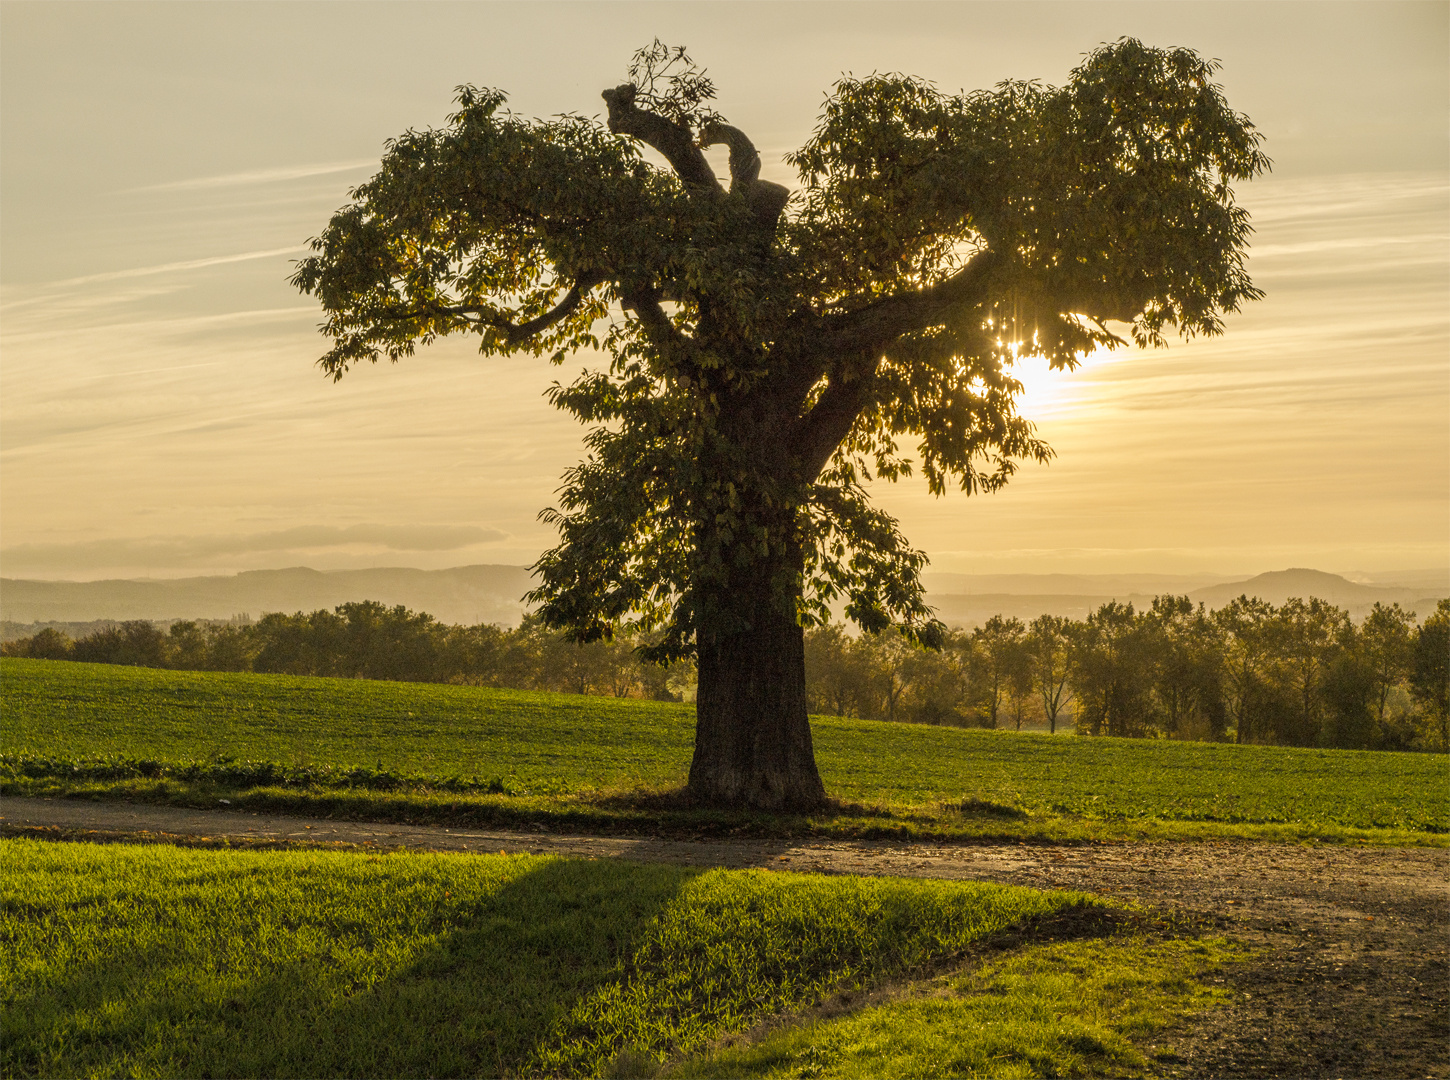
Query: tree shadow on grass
[(502, 975), (494, 991), (457, 966)]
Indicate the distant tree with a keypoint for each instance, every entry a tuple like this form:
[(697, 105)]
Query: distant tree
[(768, 350), (46, 644), (1430, 675), (1348, 688), (230, 648), (1020, 681), (1000, 658), (524, 659), (137, 643), (837, 674), (941, 692), (618, 665), (894, 661), (474, 654), (381, 642), (663, 682), (1112, 673), (1186, 658), (300, 644), (1049, 647), (1388, 640), (545, 659), (576, 667), (1251, 643), (1310, 640), (187, 644)]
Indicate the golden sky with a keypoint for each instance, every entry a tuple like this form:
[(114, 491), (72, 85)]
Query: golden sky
[(160, 165)]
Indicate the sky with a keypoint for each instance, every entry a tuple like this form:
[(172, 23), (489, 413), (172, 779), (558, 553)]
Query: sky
[(161, 165)]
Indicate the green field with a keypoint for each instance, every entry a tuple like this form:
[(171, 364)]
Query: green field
[(161, 961), (155, 960), (430, 752), (1078, 1008)]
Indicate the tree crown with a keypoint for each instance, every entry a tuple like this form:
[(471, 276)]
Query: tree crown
[(768, 350)]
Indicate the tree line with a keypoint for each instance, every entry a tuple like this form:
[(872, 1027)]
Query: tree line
[(1302, 674), (369, 640)]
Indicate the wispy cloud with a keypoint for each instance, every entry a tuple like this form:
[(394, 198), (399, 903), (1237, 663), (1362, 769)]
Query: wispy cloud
[(163, 551), (1350, 243), (280, 174), (174, 267), (1318, 199)]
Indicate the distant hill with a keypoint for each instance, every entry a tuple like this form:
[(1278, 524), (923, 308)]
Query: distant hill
[(1103, 585), (1277, 586), (969, 600), (492, 593), (462, 594)]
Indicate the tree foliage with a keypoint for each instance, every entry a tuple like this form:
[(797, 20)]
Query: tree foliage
[(768, 352)]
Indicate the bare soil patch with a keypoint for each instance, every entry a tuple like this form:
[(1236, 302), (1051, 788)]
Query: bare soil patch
[(1351, 976)]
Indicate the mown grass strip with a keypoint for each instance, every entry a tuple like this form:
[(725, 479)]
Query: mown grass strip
[(1076, 1008), (163, 961), (402, 750)]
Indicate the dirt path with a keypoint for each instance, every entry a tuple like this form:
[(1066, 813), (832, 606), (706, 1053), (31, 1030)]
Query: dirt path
[(1352, 978)]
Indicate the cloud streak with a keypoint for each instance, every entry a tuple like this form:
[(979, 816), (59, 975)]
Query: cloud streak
[(258, 176), (175, 267), (165, 551)]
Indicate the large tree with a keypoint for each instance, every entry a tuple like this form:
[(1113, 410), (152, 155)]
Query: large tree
[(768, 350)]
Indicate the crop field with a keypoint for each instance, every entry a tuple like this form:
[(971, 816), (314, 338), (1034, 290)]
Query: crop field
[(160, 961), (429, 752)]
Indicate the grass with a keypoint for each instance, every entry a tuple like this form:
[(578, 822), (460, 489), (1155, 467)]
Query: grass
[(164, 961), (1077, 1008), (420, 752)]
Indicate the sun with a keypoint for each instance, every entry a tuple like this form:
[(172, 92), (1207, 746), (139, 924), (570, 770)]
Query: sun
[(1045, 391)]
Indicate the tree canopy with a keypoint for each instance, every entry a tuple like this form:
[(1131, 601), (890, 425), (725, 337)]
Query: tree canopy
[(771, 351)]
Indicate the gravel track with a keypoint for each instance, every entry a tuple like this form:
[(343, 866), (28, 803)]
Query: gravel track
[(1350, 977)]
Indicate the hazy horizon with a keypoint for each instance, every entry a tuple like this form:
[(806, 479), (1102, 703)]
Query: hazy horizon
[(162, 416), (471, 595), (935, 580)]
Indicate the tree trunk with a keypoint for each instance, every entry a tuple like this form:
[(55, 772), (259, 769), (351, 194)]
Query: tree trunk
[(752, 736)]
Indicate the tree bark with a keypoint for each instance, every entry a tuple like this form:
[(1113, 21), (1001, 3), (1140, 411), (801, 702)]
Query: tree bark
[(752, 734)]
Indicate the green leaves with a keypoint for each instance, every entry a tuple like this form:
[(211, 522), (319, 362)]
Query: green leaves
[(488, 226), (764, 365), (1110, 194), (669, 83)]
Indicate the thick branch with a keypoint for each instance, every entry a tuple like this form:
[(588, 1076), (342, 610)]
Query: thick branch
[(829, 421), (514, 334), (878, 324), (561, 310), (767, 199), (857, 341), (645, 303), (744, 159), (672, 140)]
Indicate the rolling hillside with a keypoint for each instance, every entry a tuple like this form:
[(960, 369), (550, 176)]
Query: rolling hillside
[(491, 593), (1280, 585), (1075, 596), (462, 594)]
